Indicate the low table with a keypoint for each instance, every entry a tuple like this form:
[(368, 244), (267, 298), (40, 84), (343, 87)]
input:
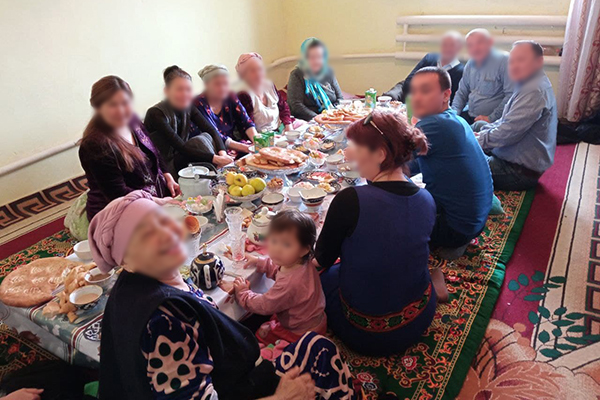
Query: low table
[(79, 342)]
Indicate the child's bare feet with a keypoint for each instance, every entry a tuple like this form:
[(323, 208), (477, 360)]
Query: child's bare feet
[(439, 285)]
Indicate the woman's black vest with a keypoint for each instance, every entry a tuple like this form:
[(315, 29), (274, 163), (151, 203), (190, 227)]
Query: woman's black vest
[(233, 347)]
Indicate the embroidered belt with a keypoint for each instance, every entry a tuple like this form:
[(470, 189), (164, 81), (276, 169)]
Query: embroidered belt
[(388, 322)]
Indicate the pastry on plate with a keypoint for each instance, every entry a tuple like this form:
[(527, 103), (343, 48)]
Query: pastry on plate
[(33, 284)]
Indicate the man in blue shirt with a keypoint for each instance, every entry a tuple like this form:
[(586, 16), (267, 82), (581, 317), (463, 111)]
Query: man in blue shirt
[(522, 142), (485, 87), (455, 170)]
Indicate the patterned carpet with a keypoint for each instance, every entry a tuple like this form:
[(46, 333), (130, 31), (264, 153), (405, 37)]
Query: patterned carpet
[(543, 341), (18, 350), (436, 367)]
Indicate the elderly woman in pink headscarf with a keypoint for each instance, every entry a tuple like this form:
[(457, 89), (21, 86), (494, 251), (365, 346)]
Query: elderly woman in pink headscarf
[(268, 110), (162, 337)]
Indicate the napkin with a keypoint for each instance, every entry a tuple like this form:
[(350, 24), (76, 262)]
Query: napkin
[(219, 206)]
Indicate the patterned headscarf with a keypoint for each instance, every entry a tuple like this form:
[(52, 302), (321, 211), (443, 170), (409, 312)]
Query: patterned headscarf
[(241, 65), (312, 86), (212, 70)]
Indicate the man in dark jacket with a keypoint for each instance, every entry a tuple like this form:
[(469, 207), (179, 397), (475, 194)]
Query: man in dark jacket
[(450, 47)]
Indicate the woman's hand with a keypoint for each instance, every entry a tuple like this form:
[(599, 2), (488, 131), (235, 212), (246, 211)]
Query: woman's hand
[(241, 285), (237, 146), (24, 394), (294, 386), (221, 160), (172, 185), (250, 132), (250, 261)]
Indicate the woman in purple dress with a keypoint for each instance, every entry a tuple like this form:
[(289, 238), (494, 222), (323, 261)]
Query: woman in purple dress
[(116, 153), (223, 109)]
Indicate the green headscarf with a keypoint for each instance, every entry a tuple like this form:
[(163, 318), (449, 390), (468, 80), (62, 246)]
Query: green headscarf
[(312, 86)]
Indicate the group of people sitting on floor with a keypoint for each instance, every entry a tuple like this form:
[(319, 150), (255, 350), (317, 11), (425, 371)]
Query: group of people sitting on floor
[(163, 338)]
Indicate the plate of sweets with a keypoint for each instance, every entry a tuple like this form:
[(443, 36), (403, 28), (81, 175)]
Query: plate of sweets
[(275, 160), (344, 115), (320, 176), (331, 187)]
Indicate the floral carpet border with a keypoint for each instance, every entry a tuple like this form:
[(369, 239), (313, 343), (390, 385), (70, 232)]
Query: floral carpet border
[(479, 326)]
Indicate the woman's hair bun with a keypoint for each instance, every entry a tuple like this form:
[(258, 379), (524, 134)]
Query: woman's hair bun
[(173, 72)]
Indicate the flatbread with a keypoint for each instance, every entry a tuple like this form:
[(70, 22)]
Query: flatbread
[(283, 156), (33, 284), (255, 160)]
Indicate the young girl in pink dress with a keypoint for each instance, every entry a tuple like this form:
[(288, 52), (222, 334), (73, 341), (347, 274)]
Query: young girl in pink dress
[(296, 300)]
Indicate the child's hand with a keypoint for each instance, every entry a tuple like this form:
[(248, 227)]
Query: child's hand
[(241, 284), (250, 261), (226, 286)]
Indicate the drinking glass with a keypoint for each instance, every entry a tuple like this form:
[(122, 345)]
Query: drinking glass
[(234, 218), (238, 246)]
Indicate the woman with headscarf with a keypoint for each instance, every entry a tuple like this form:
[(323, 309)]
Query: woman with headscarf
[(223, 109), (116, 152), (312, 86), (163, 338), (268, 110), (179, 130)]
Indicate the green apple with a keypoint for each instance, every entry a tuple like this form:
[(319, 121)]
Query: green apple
[(258, 184), (235, 190), (240, 179), (248, 190)]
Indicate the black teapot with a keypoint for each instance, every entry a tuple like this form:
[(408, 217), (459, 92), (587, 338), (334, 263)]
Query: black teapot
[(207, 270)]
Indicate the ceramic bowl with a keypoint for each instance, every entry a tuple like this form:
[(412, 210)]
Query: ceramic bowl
[(273, 201), (202, 220), (282, 143), (334, 160), (313, 198), (292, 136), (83, 251), (78, 297), (384, 100), (96, 277), (294, 195), (351, 177)]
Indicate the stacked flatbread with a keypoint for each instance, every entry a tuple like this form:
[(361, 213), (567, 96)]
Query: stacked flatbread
[(276, 158), (33, 284)]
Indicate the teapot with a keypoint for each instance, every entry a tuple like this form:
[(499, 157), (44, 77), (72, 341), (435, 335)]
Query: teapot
[(257, 231), (194, 180), (207, 270)]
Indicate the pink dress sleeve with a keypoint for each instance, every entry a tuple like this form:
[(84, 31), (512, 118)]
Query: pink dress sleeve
[(264, 265), (277, 299)]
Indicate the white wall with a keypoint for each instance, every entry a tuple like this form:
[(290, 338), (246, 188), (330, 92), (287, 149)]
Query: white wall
[(53, 51)]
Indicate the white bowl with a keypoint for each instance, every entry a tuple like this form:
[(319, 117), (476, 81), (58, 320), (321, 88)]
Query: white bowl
[(273, 201), (174, 211), (202, 220), (335, 159), (282, 143), (384, 100), (76, 297), (82, 250), (104, 282), (292, 136), (294, 195), (313, 198)]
